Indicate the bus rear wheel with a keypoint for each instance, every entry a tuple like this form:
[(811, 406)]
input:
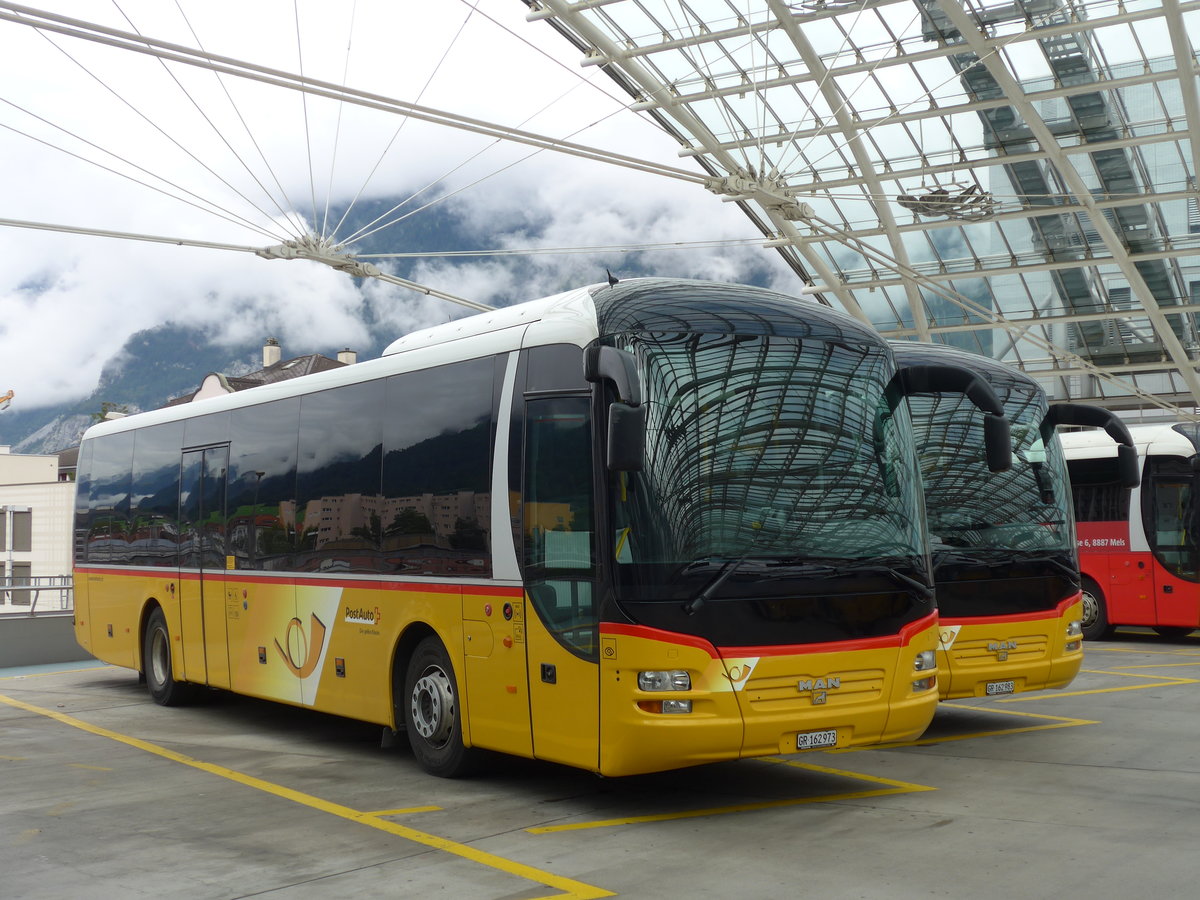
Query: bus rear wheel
[(156, 664), (1095, 612), (432, 714), (1173, 632)]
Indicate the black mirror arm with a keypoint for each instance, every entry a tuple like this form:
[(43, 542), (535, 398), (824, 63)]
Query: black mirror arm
[(1084, 415), (619, 367), (948, 379)]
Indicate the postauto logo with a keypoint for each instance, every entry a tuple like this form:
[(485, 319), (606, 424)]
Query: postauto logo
[(360, 616)]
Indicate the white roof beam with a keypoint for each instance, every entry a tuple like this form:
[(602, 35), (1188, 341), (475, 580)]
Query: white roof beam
[(841, 114), (691, 124), (967, 268), (1074, 182), (1185, 61), (982, 162), (975, 106), (1117, 315)]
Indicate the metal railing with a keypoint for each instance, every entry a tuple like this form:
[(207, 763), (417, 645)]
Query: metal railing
[(40, 595)]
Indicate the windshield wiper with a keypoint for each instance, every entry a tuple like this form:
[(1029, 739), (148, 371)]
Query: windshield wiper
[(896, 575), (719, 579)]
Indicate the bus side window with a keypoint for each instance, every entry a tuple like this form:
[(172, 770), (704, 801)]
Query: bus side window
[(559, 530)]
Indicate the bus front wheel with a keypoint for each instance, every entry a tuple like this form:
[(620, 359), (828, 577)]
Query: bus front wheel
[(1095, 612), (156, 664), (432, 714)]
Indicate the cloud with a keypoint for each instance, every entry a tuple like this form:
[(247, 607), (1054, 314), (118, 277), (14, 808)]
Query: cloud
[(173, 157)]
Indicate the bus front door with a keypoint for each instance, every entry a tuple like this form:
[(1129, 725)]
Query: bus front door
[(562, 636), (1171, 520), (202, 482), (559, 549)]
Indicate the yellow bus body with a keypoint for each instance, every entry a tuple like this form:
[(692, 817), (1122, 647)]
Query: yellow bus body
[(329, 645), (1032, 651)]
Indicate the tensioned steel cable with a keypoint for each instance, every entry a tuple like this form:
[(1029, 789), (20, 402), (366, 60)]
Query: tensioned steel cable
[(441, 198), (24, 15), (284, 213), (199, 110), (199, 203)]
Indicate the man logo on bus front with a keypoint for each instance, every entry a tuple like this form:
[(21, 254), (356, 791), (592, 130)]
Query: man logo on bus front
[(819, 687)]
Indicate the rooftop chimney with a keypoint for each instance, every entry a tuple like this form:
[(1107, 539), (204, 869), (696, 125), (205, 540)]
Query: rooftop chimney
[(272, 353), (348, 356)]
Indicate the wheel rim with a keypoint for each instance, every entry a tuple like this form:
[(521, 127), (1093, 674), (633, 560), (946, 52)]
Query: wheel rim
[(433, 706), (159, 669), (1091, 609)]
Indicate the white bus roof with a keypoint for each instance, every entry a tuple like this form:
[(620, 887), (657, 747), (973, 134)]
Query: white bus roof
[(566, 318), (1150, 440)]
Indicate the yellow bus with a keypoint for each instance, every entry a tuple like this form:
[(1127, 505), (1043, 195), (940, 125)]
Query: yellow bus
[(1003, 542), (594, 529)]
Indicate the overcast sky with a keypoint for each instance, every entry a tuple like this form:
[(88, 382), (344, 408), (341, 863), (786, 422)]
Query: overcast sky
[(178, 152)]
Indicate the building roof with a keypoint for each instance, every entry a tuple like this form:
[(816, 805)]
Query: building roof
[(284, 370)]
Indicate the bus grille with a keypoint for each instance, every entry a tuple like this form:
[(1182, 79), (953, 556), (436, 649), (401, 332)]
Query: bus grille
[(985, 652), (778, 693)]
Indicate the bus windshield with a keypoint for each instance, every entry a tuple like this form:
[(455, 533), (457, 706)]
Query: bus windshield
[(774, 468), (975, 511)]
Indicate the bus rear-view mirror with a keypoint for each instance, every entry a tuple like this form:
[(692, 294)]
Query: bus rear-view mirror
[(626, 437), (997, 443), (1128, 468)]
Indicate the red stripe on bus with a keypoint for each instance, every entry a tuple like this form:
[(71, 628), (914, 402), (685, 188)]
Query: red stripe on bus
[(901, 639), (240, 575), (1037, 615), (655, 634)]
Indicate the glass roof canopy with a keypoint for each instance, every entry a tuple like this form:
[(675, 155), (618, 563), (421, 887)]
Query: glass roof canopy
[(1015, 178)]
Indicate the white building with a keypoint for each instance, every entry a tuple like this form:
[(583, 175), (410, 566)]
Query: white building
[(36, 515)]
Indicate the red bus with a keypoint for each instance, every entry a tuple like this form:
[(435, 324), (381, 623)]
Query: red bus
[(1137, 548)]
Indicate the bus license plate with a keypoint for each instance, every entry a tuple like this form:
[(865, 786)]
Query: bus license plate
[(1000, 687), (816, 740)]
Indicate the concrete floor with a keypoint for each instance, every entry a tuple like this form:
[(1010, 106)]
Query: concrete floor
[(1089, 792)]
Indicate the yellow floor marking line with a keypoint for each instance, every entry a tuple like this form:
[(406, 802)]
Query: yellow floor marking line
[(892, 787), (55, 672), (568, 886), (1174, 651), (92, 768), (1052, 695), (1057, 722), (1178, 665), (403, 812)]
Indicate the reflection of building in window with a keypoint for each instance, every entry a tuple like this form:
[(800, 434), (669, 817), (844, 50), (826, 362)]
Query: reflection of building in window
[(458, 521)]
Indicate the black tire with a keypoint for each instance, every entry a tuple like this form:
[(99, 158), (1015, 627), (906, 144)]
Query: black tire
[(432, 716), (156, 664), (1173, 632), (1095, 612)]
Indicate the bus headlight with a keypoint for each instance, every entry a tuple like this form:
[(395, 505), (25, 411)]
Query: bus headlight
[(1074, 635), (924, 684), (926, 659), (670, 680)]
